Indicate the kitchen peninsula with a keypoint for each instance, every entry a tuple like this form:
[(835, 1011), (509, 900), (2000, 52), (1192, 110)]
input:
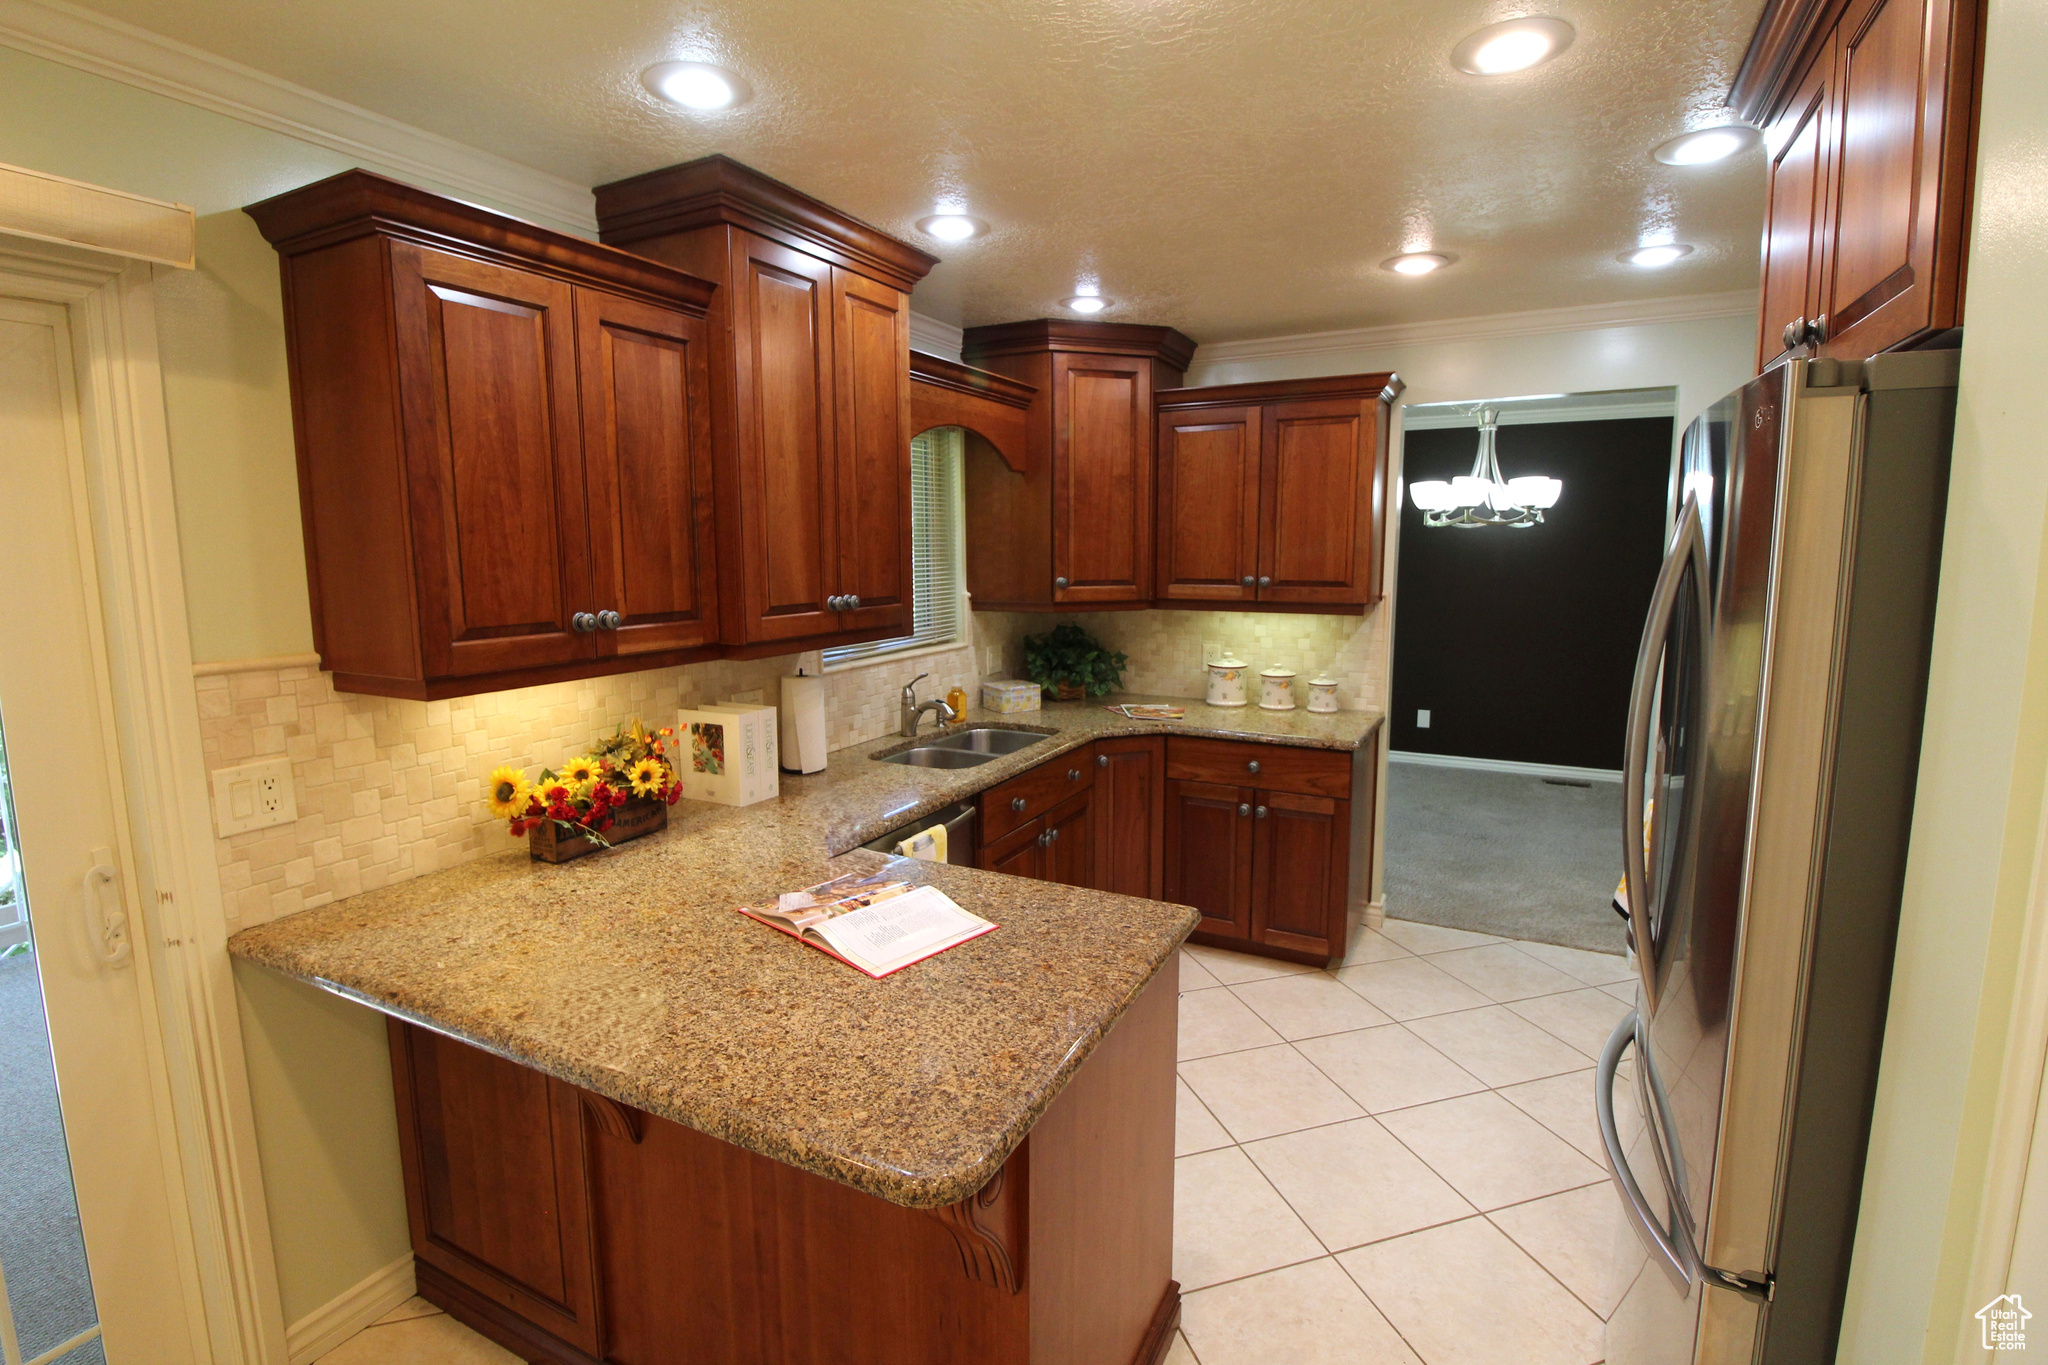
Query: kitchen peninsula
[(638, 1127)]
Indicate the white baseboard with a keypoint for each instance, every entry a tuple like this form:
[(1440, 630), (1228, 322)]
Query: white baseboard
[(349, 1312), (1501, 765)]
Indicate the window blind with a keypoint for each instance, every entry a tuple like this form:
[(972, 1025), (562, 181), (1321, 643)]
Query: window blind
[(936, 551)]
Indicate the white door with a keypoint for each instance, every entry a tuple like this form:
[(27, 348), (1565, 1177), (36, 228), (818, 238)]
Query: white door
[(67, 839)]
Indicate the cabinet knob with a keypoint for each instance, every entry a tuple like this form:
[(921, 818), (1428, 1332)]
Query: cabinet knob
[(1060, 583), (1252, 766), (832, 603), (1265, 580), (1249, 580), (608, 620), (583, 623), (1102, 760), (1244, 808), (1044, 838), (1052, 836), (853, 602), (1260, 812), (1073, 774), (1817, 330), (1795, 332), (1018, 803)]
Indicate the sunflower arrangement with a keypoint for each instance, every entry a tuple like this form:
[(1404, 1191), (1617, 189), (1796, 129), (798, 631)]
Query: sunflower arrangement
[(584, 795)]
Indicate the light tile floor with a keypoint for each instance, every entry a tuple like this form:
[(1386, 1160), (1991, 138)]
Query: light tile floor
[(1394, 1163), (1390, 1164)]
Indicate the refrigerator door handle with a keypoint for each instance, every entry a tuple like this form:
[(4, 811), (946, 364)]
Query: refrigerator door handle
[(1676, 1266), (1688, 549)]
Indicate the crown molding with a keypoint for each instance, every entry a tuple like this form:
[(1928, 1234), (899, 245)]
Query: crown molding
[(106, 47), (1489, 327), (933, 337), (1419, 419)]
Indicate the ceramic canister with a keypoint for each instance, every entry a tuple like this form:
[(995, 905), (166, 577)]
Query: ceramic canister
[(1226, 681), (1276, 689), (1322, 693)]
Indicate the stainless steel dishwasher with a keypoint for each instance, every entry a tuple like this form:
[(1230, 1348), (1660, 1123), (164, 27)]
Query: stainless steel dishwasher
[(959, 820)]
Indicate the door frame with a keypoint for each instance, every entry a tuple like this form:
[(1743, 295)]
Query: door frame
[(169, 877)]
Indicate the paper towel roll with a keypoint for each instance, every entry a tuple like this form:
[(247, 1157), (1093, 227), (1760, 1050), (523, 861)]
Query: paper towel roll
[(803, 723)]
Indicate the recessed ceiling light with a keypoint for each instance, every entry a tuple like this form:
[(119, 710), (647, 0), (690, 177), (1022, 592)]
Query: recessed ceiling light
[(1415, 262), (1703, 145), (1650, 257), (1515, 45), (1087, 303), (951, 227), (696, 85)]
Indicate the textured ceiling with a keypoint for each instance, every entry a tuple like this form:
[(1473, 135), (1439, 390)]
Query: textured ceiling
[(1234, 168)]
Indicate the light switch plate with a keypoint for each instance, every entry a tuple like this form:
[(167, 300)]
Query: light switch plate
[(253, 796)]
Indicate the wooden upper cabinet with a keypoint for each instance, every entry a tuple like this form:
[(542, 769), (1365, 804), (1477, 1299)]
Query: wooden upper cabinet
[(1072, 527), (872, 394), (1274, 494), (1209, 504), (647, 459), (1102, 472), (810, 383), (501, 442), (1796, 216), (1870, 107), (784, 439)]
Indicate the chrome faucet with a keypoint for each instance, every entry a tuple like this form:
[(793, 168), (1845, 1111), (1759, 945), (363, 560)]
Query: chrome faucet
[(912, 710)]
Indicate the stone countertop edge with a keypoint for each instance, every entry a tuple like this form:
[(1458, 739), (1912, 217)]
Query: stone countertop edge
[(576, 980)]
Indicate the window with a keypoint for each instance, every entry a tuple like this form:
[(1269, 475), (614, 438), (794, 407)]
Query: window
[(936, 552)]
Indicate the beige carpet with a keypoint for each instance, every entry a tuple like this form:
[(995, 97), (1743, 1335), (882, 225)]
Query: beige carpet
[(1501, 853)]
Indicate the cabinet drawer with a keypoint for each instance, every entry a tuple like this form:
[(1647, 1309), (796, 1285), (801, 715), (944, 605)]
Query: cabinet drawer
[(1271, 767), (1029, 795)]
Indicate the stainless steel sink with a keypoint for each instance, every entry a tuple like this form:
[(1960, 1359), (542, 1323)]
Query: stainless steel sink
[(965, 749)]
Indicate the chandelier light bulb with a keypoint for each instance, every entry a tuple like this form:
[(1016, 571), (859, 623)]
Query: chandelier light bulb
[(1485, 497)]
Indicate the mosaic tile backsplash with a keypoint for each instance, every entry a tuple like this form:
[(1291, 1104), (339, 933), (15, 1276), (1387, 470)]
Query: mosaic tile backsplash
[(391, 789)]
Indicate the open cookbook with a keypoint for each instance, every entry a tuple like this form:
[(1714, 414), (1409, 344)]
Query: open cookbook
[(870, 922)]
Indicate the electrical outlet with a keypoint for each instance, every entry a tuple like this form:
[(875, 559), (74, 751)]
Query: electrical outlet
[(253, 796), (1211, 652), (1422, 720)]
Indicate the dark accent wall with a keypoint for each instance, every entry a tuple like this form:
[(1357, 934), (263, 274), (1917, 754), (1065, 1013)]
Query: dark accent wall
[(1522, 643)]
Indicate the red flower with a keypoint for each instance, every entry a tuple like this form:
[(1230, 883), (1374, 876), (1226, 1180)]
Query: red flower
[(675, 793)]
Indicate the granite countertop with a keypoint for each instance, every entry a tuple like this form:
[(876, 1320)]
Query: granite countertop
[(628, 972)]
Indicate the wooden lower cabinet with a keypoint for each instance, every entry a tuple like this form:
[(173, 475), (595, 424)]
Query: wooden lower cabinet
[(1260, 838), (1129, 829), (1070, 840), (572, 1229), (1020, 853)]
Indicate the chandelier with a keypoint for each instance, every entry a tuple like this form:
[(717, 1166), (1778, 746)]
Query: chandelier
[(1483, 497)]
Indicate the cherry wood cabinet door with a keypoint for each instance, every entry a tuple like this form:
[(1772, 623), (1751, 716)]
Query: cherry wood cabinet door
[(1102, 471), (1209, 505), (1319, 501), (871, 347), (1301, 867), (1905, 76), (644, 376), (493, 1161), (1070, 840), (1796, 213), (782, 318), (487, 379), (1021, 852), (1130, 833), (1209, 854)]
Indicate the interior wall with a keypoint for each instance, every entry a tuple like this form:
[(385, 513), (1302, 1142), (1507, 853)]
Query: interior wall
[(1521, 643), (1978, 812)]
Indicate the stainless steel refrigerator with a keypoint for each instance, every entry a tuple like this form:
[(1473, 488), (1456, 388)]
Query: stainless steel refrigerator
[(1773, 744)]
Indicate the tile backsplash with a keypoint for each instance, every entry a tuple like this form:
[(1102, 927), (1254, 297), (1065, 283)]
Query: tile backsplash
[(1168, 649), (391, 789)]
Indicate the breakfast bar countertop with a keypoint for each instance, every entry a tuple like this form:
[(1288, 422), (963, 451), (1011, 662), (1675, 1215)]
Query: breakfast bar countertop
[(629, 974)]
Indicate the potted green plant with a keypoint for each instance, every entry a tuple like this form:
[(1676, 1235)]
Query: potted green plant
[(1069, 664)]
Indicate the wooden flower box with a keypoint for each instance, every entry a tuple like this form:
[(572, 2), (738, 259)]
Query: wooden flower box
[(639, 816)]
